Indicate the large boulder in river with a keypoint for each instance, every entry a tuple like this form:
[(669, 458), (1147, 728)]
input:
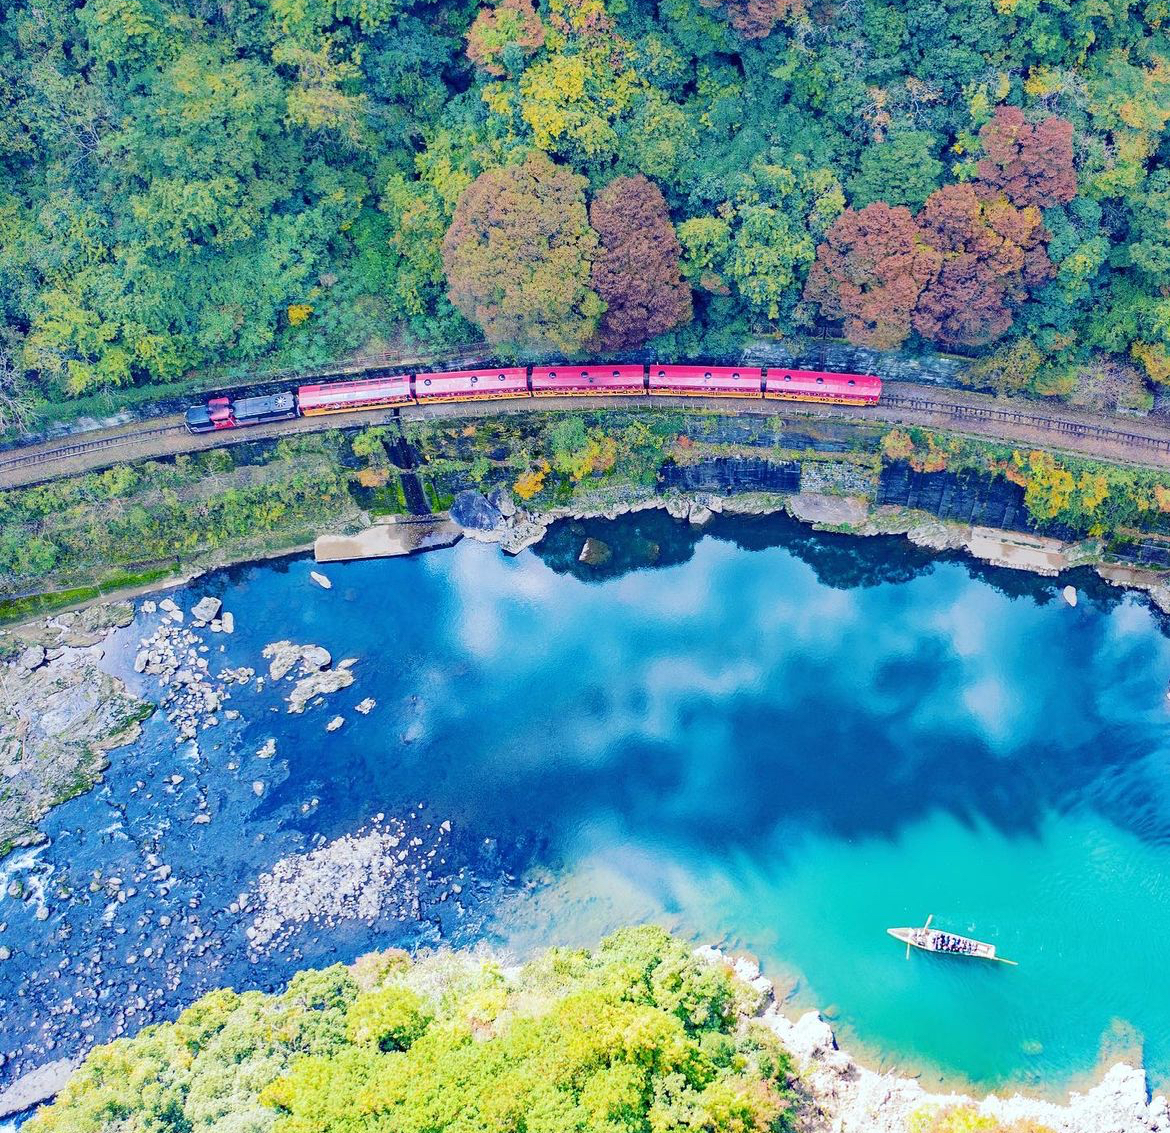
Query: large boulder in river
[(283, 655), (206, 608), (475, 512)]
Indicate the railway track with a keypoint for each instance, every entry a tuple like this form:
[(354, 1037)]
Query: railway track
[(1059, 428), (48, 456), (1062, 426)]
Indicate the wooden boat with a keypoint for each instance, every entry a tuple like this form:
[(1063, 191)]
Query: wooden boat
[(947, 943)]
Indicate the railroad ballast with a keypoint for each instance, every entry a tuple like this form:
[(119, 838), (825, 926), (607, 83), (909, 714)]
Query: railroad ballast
[(387, 390)]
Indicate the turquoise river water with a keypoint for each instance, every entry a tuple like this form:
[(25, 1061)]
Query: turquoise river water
[(782, 741)]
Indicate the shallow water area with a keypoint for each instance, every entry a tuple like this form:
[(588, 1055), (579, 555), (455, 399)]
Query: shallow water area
[(759, 735)]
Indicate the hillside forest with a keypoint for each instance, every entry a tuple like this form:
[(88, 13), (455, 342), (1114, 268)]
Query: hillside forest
[(196, 186)]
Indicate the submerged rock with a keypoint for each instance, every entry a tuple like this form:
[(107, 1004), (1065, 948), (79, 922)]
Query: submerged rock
[(595, 552)]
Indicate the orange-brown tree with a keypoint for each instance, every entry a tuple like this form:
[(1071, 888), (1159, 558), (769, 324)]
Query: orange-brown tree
[(510, 24), (870, 270), (637, 271), (992, 252), (754, 19), (518, 256), (1029, 164)]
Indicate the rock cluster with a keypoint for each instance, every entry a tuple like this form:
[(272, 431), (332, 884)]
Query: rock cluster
[(495, 518), (193, 697), (376, 874), (314, 661)]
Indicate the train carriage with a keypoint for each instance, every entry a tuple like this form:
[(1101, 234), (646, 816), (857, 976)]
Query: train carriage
[(818, 385), (346, 397), (471, 385), (564, 380), (706, 381)]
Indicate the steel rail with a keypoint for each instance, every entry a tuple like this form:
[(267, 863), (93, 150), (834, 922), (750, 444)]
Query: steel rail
[(1022, 417), (46, 456)]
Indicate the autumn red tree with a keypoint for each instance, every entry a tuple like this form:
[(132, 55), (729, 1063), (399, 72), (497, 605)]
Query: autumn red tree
[(754, 19), (992, 252), (518, 256), (870, 270), (510, 23), (1030, 164), (637, 271)]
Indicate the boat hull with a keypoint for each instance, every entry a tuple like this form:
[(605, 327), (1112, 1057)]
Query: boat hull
[(946, 944)]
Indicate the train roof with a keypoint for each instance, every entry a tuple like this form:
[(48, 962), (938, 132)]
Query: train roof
[(484, 381), (566, 375), (355, 392), (821, 381)]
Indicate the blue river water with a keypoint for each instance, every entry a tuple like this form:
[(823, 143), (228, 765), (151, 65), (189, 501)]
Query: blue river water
[(758, 735)]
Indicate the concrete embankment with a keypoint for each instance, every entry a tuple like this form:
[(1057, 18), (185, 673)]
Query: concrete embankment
[(394, 537)]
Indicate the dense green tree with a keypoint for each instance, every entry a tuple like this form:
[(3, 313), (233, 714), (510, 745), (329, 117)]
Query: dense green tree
[(264, 184), (899, 170)]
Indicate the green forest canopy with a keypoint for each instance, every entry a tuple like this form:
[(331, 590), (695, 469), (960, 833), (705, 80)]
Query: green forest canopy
[(189, 185), (636, 1036)]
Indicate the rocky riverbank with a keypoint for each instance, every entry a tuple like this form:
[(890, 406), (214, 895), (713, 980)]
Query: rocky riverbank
[(60, 712), (495, 518), (838, 1094)]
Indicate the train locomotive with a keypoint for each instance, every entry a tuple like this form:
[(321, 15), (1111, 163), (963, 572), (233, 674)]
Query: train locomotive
[(564, 380)]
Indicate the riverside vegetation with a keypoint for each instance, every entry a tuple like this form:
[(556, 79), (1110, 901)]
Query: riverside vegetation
[(637, 1035), (192, 187), (132, 524)]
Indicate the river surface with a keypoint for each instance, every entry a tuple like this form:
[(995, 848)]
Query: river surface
[(783, 741)]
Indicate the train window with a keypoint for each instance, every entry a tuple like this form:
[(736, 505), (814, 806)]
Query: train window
[(474, 378), (820, 381)]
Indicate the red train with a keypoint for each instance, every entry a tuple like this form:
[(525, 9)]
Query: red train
[(537, 381)]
